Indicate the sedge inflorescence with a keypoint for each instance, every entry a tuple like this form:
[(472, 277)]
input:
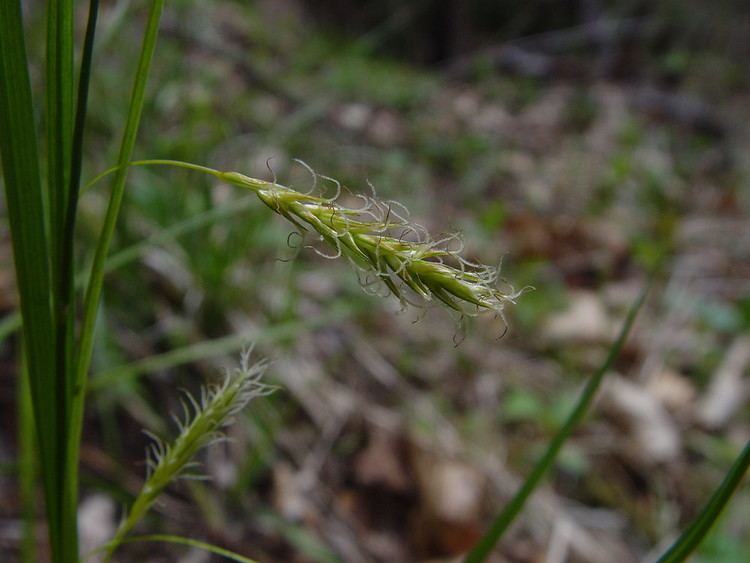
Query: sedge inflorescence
[(379, 240), (385, 246), (203, 419), (202, 422)]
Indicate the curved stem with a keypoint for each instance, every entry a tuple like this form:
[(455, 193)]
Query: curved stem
[(168, 538), (694, 534), (153, 162), (501, 523)]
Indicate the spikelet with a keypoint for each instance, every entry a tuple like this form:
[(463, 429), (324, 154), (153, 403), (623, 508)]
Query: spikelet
[(385, 246), (201, 424), (379, 240)]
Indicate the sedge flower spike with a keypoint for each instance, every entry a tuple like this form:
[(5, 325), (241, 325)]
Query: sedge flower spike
[(202, 423), (385, 246), (379, 240)]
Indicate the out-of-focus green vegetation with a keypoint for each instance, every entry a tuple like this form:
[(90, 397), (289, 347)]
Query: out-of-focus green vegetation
[(576, 177)]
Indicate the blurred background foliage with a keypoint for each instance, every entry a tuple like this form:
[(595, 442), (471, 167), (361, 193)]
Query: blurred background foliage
[(574, 140)]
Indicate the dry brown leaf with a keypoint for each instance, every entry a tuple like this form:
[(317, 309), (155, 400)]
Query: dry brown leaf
[(381, 463)]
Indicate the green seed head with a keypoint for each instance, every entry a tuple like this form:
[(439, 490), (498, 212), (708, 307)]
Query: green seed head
[(201, 424), (385, 246)]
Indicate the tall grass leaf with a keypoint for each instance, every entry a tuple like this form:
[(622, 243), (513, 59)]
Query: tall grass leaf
[(27, 466), (24, 200), (66, 295), (506, 517), (189, 542), (59, 117), (59, 120), (96, 278), (12, 322), (217, 347), (694, 534), (94, 287)]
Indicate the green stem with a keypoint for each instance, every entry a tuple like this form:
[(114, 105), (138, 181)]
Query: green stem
[(694, 534), (501, 523), (153, 162), (96, 278), (189, 542)]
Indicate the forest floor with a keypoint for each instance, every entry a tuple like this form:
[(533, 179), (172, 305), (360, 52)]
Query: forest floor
[(396, 435)]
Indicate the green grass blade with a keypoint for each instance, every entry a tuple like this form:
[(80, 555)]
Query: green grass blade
[(189, 542), (84, 79), (178, 229), (216, 347), (94, 288), (96, 278), (501, 523), (24, 200), (12, 322), (67, 274), (694, 534), (27, 468), (304, 541), (59, 119), (67, 309)]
